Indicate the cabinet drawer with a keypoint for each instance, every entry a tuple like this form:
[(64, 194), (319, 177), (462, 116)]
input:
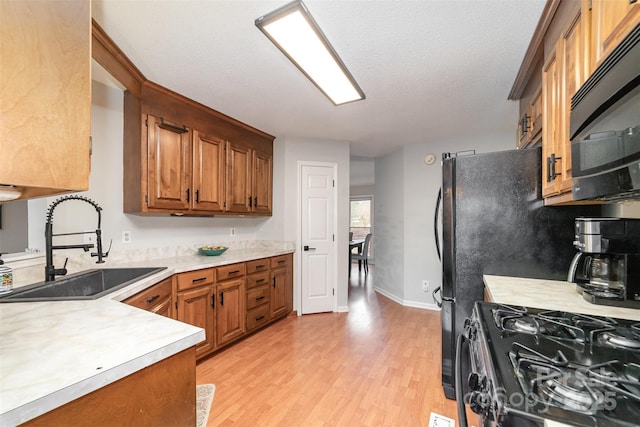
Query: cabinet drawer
[(231, 271), (151, 297), (194, 279), (279, 261), (257, 316), (257, 265), (257, 296), (257, 280)]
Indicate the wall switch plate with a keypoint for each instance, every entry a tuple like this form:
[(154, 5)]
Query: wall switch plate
[(126, 237), (425, 285)]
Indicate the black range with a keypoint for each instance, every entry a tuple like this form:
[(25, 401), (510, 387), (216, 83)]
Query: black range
[(531, 366)]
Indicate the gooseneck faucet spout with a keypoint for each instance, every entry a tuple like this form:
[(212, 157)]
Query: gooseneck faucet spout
[(50, 271)]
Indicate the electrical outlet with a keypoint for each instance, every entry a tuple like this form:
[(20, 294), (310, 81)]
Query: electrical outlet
[(89, 237), (126, 237), (425, 285), (232, 231)]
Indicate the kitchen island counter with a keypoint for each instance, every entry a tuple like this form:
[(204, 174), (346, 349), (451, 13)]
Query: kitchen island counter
[(52, 353), (549, 294)]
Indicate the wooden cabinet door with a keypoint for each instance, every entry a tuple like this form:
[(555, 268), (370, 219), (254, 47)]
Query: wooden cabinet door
[(611, 21), (208, 173), (551, 120), (262, 182), (45, 96), (278, 299), (156, 299), (230, 310), (195, 307), (169, 166), (573, 49), (238, 179)]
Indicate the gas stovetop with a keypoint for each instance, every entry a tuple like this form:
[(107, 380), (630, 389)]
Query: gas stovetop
[(553, 365)]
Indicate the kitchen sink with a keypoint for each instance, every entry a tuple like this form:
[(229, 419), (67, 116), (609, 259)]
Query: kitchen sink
[(86, 285)]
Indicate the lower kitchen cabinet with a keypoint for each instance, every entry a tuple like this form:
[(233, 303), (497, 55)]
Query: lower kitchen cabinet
[(195, 305), (278, 295), (156, 299), (281, 280), (150, 397), (232, 300), (230, 311)]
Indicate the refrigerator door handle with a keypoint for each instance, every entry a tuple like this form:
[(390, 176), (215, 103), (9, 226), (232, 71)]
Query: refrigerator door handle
[(434, 294), (435, 224)]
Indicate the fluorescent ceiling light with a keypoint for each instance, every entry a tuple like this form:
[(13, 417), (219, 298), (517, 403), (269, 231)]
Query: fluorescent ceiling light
[(292, 29)]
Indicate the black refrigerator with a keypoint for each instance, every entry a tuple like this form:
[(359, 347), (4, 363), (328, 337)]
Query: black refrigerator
[(494, 222)]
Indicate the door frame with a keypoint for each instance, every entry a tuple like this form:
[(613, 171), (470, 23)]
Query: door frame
[(299, 251), (369, 197)]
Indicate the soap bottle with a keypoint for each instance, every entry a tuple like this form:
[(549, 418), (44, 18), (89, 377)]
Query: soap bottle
[(6, 278)]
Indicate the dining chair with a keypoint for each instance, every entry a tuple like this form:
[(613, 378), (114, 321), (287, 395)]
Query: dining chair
[(363, 256)]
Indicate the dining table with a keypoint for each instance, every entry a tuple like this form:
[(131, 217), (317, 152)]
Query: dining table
[(355, 243)]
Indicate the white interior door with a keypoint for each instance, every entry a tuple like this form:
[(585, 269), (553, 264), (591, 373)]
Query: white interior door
[(318, 201)]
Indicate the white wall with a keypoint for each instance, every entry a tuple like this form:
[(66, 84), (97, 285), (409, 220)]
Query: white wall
[(389, 233), (316, 150), (405, 194)]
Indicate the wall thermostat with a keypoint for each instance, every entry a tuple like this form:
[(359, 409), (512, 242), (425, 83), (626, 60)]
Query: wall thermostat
[(429, 159)]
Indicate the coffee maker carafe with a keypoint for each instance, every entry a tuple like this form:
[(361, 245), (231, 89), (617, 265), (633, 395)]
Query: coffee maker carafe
[(606, 269)]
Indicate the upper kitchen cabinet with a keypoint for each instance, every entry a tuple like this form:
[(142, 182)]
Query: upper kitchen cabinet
[(249, 178), (571, 38), (563, 73), (45, 58), (168, 164), (183, 158), (611, 21)]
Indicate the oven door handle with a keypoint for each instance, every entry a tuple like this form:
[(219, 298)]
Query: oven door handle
[(462, 414)]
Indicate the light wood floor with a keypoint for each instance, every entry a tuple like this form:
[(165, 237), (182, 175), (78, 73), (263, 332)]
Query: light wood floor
[(378, 365)]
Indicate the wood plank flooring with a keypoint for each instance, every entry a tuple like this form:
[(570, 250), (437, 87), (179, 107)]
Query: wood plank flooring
[(378, 365)]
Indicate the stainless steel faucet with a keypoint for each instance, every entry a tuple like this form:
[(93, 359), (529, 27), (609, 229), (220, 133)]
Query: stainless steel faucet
[(50, 271)]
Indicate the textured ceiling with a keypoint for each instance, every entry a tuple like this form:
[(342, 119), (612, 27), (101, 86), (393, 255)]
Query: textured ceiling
[(431, 70)]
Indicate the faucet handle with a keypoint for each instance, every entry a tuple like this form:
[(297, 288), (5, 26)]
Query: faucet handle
[(61, 271), (101, 255)]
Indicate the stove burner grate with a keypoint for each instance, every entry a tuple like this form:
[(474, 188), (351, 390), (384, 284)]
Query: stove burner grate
[(569, 392), (553, 381)]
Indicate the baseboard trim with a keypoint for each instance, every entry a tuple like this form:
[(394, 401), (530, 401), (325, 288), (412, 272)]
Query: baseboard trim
[(407, 303), (343, 309)]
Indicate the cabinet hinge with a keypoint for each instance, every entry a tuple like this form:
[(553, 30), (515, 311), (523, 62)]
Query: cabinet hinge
[(333, 183), (176, 305), (333, 291), (591, 4), (333, 237), (146, 122), (146, 199), (90, 145)]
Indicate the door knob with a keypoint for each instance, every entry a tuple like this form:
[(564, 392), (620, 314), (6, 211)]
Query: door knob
[(307, 248)]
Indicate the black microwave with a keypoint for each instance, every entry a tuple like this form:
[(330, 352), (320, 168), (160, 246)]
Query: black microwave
[(605, 127)]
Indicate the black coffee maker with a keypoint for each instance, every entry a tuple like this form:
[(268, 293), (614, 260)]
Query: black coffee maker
[(606, 269)]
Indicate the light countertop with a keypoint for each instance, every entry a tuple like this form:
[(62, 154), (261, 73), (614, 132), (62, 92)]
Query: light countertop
[(549, 294), (54, 352)]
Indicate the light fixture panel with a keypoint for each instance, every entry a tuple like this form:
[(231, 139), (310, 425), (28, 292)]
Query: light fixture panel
[(292, 29)]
